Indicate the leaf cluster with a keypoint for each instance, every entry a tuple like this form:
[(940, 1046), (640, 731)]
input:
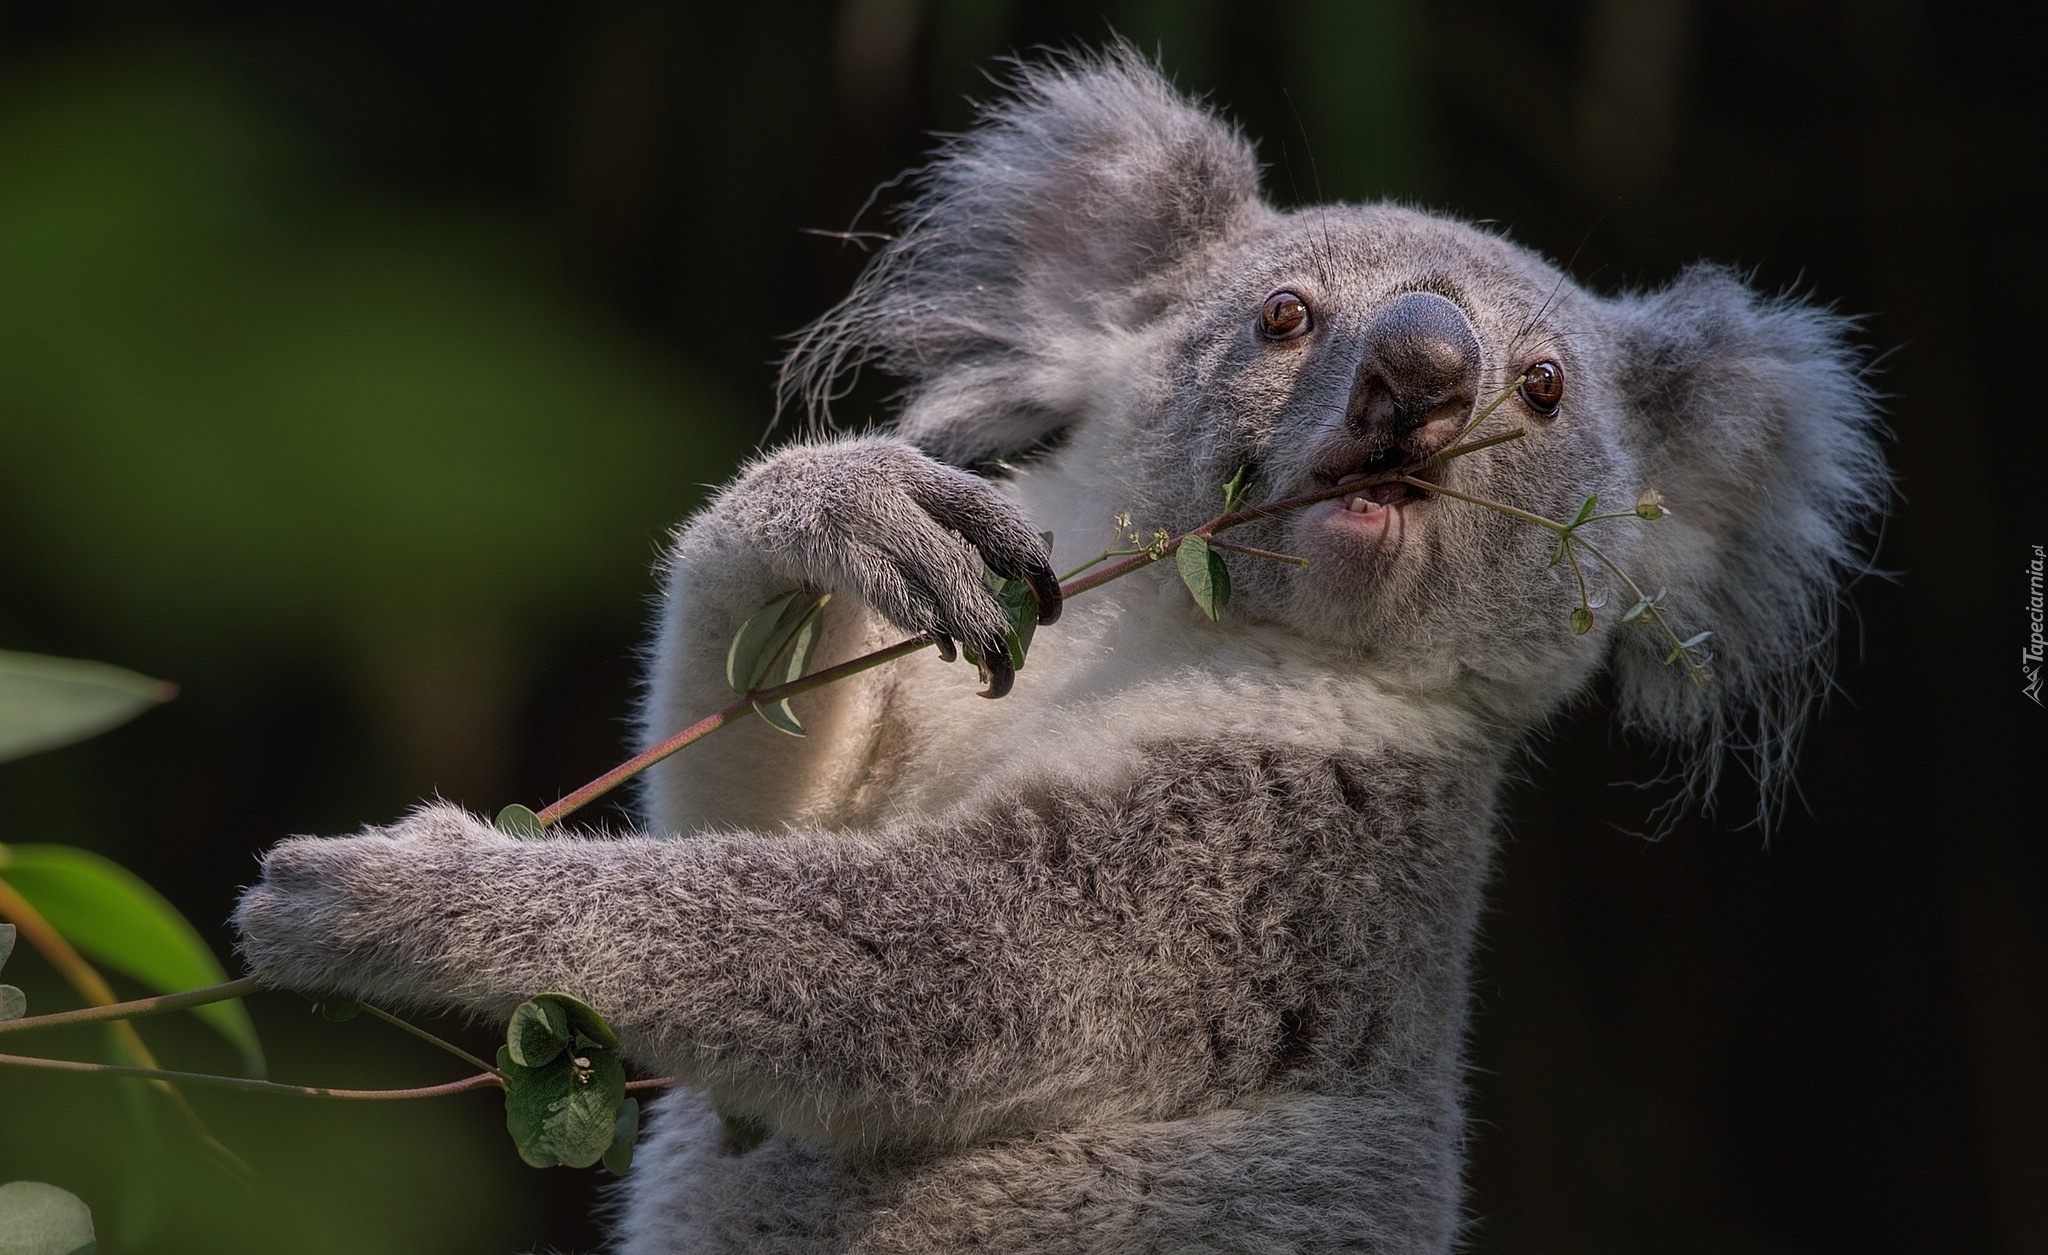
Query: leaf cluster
[(565, 1088), (1648, 608)]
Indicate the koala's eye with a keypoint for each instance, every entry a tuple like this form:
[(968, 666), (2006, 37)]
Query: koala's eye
[(1285, 316), (1543, 387)]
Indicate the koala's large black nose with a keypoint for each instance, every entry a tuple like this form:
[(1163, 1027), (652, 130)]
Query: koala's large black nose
[(1421, 363)]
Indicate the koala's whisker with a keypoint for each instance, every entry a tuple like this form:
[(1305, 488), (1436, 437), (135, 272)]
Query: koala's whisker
[(1564, 272)]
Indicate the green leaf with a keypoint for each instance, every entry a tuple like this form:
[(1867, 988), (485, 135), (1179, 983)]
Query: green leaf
[(519, 821), (1582, 621), (1651, 505), (1586, 510), (563, 1082), (745, 656), (1557, 554), (1202, 570), (39, 1219), (117, 920), (13, 1002), (339, 1012), (1648, 603), (761, 649), (618, 1158), (1020, 614), (1685, 647), (774, 647), (779, 716), (580, 1017), (538, 1032), (565, 1112), (46, 702), (1233, 492)]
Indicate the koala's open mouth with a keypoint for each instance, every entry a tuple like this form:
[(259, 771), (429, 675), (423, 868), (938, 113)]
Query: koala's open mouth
[(1349, 467)]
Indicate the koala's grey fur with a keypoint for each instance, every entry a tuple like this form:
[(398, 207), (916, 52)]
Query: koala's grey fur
[(1167, 951)]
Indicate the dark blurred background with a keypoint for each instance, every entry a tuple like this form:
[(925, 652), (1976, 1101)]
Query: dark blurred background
[(354, 358)]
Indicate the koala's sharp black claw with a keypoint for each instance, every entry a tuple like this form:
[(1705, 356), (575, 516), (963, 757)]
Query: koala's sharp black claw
[(947, 652), (1045, 588), (996, 670)]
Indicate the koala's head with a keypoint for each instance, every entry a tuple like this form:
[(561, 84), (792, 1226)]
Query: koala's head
[(1093, 271)]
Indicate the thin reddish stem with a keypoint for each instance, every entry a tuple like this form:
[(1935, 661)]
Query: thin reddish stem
[(242, 1082), (704, 727)]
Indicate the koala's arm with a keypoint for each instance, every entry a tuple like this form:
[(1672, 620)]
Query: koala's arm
[(898, 537), (1057, 955)]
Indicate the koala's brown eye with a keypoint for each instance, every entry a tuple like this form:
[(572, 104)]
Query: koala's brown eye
[(1543, 387), (1285, 316)]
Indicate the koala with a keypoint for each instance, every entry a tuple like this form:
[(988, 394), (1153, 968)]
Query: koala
[(1169, 949)]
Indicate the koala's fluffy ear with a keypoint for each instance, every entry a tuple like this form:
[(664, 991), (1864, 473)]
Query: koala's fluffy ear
[(1752, 416), (1030, 237)]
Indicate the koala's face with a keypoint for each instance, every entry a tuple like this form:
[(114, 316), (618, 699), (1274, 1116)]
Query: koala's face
[(1093, 268), (1332, 344)]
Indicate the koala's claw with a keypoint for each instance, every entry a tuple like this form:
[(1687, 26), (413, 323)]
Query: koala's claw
[(908, 534), (996, 669), (1045, 590)]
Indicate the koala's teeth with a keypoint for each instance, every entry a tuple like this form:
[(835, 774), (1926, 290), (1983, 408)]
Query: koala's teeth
[(1360, 505)]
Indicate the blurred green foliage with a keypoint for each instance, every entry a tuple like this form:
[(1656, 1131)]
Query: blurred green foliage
[(227, 397), (251, 408)]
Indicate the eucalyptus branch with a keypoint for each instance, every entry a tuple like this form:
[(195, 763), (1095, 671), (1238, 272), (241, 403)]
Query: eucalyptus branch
[(711, 723), (1647, 605), (138, 1008), (1570, 541), (1237, 518), (93, 987), (482, 1080), (1076, 584), (246, 1082)]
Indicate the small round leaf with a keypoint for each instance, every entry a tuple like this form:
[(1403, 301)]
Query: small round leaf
[(539, 1031), (39, 1219), (13, 1003), (584, 1019), (519, 821), (1582, 621), (565, 1112), (1202, 570)]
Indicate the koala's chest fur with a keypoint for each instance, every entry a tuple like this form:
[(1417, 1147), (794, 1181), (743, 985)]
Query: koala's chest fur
[(1127, 674)]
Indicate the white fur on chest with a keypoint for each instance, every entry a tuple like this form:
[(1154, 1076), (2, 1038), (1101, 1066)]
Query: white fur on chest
[(1129, 667)]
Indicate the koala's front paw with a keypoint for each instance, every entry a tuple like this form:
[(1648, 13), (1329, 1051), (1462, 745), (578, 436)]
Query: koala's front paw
[(359, 916), (876, 517)]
